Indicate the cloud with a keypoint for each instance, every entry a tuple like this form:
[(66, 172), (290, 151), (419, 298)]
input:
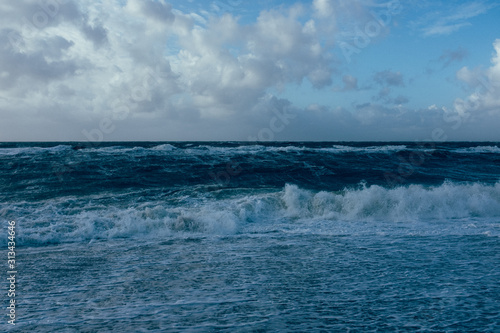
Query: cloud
[(368, 121), (323, 8), (72, 64), (446, 58), (451, 20), (226, 67), (114, 70), (350, 83), (444, 29), (96, 57), (96, 33), (43, 65), (401, 100), (485, 100), (155, 10), (475, 117), (389, 78)]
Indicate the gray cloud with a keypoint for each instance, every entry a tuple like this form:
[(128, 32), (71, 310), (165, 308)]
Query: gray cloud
[(446, 58), (42, 65), (350, 83), (450, 56), (96, 33), (401, 100), (386, 80), (161, 74), (389, 78), (158, 10)]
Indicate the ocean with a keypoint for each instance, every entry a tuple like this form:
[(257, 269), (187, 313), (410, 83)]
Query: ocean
[(250, 237)]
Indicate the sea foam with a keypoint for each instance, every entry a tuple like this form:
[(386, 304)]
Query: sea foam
[(63, 221)]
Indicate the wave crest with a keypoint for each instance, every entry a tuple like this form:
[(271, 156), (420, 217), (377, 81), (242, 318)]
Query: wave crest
[(415, 202), (229, 213)]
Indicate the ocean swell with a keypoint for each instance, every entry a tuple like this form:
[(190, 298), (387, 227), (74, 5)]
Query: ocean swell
[(67, 220)]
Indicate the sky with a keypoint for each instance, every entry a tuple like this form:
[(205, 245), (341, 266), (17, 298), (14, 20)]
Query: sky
[(187, 70)]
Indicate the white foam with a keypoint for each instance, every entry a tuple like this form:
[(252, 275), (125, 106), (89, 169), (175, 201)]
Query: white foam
[(112, 150), (33, 150), (204, 149), (211, 150), (339, 149), (244, 149), (336, 149), (164, 147), (69, 220), (448, 201), (479, 149), (370, 150)]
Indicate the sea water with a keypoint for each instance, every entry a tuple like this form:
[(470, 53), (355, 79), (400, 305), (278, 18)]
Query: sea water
[(252, 237)]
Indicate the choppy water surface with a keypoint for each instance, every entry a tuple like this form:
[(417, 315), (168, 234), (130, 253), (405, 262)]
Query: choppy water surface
[(237, 237)]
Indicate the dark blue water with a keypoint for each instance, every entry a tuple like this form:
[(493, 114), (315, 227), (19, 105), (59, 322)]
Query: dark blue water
[(253, 237)]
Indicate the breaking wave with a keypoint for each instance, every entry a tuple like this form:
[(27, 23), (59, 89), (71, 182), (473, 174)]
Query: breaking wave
[(66, 220), (480, 150)]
